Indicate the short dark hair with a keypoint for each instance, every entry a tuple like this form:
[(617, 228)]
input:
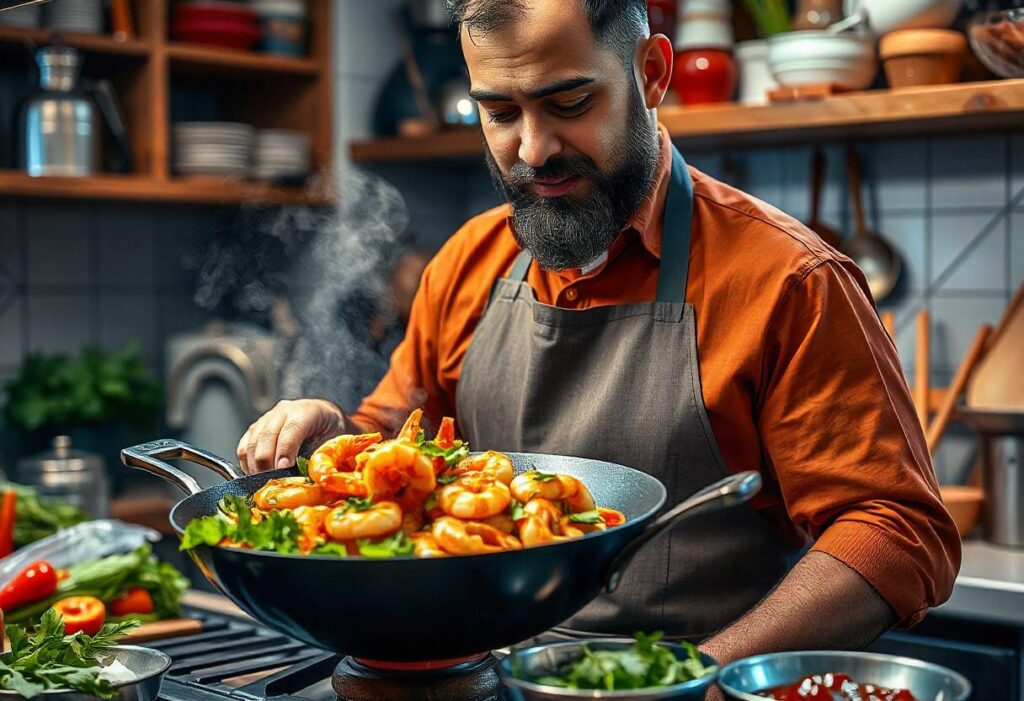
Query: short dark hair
[(619, 23)]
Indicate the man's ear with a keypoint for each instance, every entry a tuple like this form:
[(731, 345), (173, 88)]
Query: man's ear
[(655, 58)]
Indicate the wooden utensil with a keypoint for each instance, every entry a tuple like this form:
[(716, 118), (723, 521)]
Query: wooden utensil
[(823, 230), (875, 256), (171, 628), (957, 386), (998, 381), (922, 368)]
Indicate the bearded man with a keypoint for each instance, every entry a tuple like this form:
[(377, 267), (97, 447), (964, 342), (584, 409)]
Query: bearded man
[(625, 307)]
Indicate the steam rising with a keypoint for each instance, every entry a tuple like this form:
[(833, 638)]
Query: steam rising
[(316, 276)]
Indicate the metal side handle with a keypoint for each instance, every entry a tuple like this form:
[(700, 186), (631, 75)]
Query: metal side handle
[(151, 456), (732, 490)]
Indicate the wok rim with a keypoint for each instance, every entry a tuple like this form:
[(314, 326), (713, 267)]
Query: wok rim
[(637, 522)]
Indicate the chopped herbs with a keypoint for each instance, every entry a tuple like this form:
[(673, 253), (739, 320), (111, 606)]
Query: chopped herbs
[(593, 516), (358, 504), (518, 512), (277, 531), (392, 546), (538, 476), (644, 665), (302, 465), (48, 660), (447, 479)]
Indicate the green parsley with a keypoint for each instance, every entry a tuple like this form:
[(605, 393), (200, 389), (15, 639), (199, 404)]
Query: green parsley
[(392, 546), (302, 465), (49, 660), (593, 516), (644, 665), (447, 479), (277, 531), (518, 512), (538, 476)]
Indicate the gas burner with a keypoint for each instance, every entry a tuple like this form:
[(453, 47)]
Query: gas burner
[(475, 679)]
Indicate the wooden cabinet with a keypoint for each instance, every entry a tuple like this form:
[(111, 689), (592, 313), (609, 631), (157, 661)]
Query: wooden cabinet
[(158, 80)]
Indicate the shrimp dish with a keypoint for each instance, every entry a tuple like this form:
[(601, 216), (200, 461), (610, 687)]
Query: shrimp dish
[(364, 495)]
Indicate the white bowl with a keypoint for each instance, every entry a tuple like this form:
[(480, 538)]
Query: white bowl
[(814, 56), (886, 16)]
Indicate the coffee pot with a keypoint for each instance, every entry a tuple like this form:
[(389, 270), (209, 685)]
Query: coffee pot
[(62, 122)]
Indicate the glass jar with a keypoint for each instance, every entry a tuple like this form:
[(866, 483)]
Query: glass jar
[(67, 475)]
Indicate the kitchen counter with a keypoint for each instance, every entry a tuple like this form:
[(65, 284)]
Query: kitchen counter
[(990, 586)]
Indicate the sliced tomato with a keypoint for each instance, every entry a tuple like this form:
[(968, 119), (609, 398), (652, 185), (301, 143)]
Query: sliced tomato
[(611, 517), (81, 613), (135, 600)]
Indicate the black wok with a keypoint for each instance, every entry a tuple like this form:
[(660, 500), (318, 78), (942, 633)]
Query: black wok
[(409, 609)]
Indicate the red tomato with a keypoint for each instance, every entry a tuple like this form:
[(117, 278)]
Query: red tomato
[(35, 582), (135, 600), (81, 613)]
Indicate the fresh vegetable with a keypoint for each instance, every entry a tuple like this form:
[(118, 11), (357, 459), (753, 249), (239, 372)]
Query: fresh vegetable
[(35, 582), (37, 520), (8, 513), (643, 665), (392, 546), (109, 577), (52, 658), (278, 531), (81, 613), (135, 600)]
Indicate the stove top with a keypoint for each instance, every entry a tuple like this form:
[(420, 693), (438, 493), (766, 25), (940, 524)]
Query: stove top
[(234, 659)]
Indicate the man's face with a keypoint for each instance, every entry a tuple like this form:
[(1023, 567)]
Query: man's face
[(569, 140)]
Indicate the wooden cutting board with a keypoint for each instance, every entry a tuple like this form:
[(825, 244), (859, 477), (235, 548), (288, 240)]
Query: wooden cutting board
[(998, 381)]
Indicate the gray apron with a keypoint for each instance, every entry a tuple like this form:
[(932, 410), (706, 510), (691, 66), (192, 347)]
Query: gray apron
[(622, 384)]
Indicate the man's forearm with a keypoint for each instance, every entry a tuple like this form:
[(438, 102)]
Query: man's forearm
[(821, 604)]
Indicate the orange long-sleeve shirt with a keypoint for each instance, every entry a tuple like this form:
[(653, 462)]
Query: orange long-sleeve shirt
[(799, 378)]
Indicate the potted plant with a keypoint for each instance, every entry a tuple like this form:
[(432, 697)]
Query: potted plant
[(770, 17), (100, 399)]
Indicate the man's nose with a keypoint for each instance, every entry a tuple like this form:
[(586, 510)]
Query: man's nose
[(537, 144)]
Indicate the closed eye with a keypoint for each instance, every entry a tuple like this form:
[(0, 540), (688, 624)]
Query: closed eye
[(573, 108)]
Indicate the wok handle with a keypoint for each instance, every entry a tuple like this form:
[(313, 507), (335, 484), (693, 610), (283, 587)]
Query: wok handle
[(150, 457), (734, 489)]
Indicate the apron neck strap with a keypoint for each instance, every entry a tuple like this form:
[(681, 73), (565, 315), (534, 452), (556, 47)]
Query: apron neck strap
[(674, 267)]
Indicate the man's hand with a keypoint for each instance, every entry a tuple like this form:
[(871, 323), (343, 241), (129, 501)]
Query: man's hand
[(275, 438)]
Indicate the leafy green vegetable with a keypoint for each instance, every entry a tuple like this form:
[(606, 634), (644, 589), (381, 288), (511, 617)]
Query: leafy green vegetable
[(447, 479), (47, 659), (770, 16), (538, 476), (303, 466), (643, 665), (358, 504), (392, 546), (108, 577), (587, 517), (517, 510), (277, 531), (330, 548), (452, 456), (37, 519), (95, 388)]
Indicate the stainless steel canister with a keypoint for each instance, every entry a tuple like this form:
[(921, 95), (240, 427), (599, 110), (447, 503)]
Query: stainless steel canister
[(67, 475), (1002, 453)]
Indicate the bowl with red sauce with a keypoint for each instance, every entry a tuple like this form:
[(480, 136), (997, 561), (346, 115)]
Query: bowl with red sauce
[(840, 676)]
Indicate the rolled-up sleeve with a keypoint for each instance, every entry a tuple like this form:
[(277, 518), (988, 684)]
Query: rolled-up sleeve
[(843, 440)]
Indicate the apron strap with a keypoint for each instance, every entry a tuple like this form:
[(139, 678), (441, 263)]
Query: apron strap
[(674, 268), (520, 267)]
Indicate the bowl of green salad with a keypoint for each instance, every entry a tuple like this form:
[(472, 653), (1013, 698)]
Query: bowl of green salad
[(643, 669)]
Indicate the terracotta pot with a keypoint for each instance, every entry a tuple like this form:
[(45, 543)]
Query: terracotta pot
[(915, 57)]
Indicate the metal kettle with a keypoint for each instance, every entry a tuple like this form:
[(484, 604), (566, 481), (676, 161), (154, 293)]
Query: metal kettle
[(61, 123)]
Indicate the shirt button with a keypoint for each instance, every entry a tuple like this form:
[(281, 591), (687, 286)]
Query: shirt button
[(571, 294)]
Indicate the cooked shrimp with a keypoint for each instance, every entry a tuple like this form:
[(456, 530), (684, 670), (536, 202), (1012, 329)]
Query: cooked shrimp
[(543, 522), (424, 545), (378, 521), (338, 454), (473, 496), (553, 487), (412, 522), (287, 493), (311, 521), (470, 537), (503, 522), (445, 437), (411, 430), (397, 470), (345, 484), (492, 462)]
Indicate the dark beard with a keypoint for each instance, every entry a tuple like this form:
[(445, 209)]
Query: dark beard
[(569, 231)]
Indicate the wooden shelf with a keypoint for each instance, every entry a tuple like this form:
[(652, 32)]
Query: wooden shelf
[(207, 60), (874, 114), (93, 43), (142, 188)]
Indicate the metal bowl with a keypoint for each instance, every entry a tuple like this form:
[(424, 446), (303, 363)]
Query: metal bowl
[(534, 662), (998, 41), (927, 682), (148, 665)]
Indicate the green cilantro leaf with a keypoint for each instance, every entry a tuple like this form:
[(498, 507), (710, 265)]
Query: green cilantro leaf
[(392, 546), (587, 517), (358, 504), (517, 511), (302, 464), (277, 531), (448, 479), (458, 452), (538, 476)]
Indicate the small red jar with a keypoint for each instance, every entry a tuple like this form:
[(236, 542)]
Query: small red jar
[(703, 76)]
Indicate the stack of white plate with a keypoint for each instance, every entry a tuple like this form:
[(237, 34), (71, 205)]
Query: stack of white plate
[(75, 16), (213, 148), (281, 154), (27, 17)]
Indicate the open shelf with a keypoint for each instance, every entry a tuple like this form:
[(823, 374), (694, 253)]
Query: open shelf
[(143, 188), (207, 60), (93, 43), (979, 106)]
